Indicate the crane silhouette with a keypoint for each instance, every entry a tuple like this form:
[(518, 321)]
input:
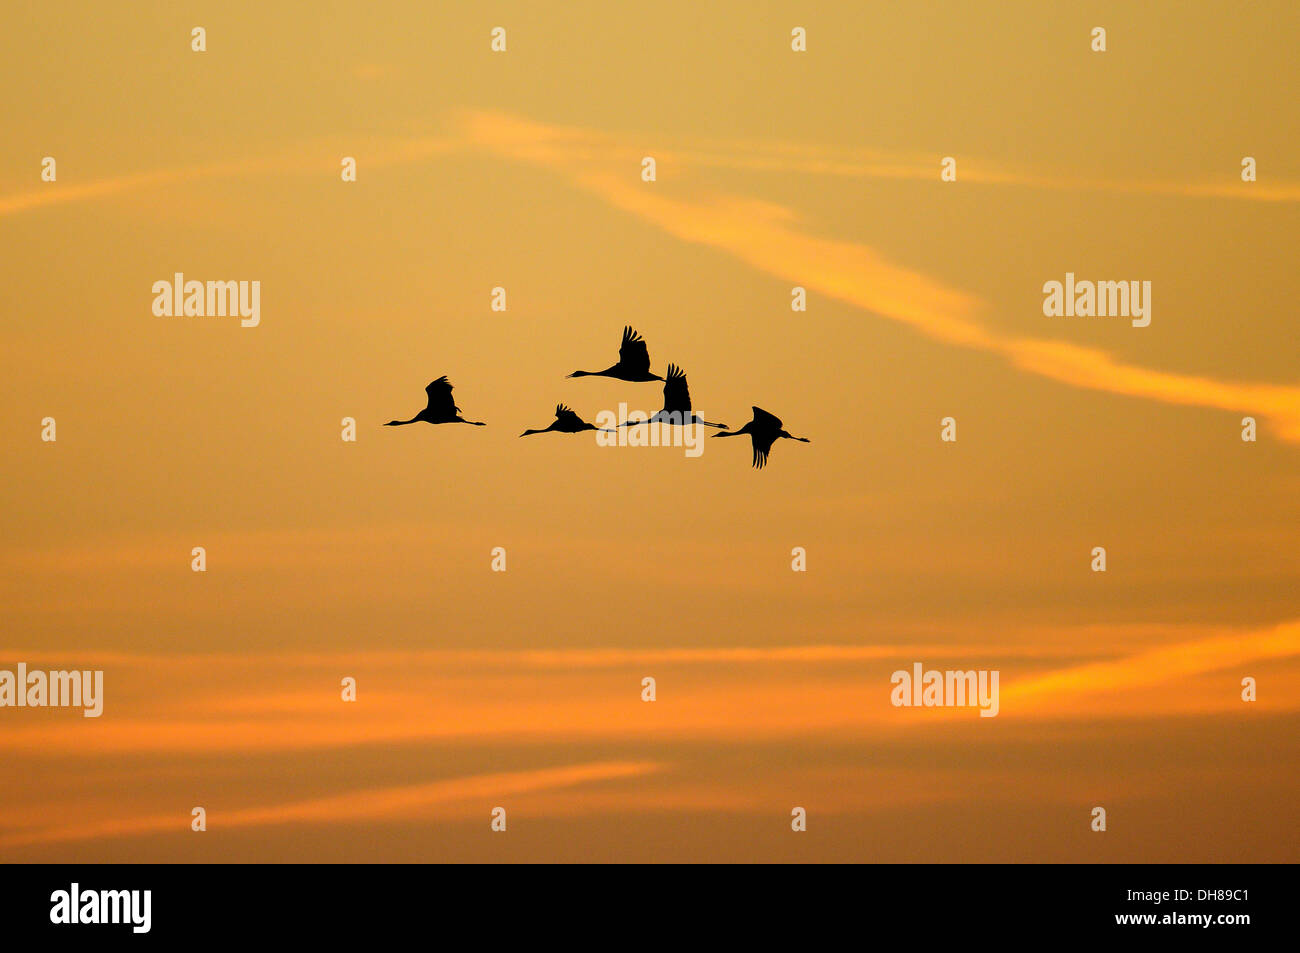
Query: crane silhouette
[(677, 404), (566, 421), (633, 361), (441, 409), (764, 430)]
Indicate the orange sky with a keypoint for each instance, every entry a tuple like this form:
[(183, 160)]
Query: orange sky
[(522, 169)]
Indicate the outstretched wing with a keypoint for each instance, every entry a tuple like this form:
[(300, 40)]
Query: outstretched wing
[(762, 445), (440, 402), (632, 353), (564, 413), (765, 421), (677, 397)]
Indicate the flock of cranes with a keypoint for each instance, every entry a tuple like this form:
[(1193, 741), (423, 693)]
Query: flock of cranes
[(633, 365)]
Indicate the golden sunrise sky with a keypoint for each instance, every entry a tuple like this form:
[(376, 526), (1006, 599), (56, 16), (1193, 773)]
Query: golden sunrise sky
[(522, 169)]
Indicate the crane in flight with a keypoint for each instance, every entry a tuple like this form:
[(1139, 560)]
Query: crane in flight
[(764, 430), (677, 404), (566, 421), (441, 409), (633, 361)]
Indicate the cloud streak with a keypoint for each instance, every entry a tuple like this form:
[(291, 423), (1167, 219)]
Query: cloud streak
[(768, 238), (316, 158), (401, 801), (822, 160), (222, 705), (1156, 666)]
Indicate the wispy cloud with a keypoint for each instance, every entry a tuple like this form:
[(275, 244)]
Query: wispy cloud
[(404, 801), (1153, 667), (306, 158), (768, 238), (217, 704), (859, 163), (188, 708), (540, 142)]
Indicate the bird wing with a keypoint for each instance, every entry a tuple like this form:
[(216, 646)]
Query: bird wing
[(632, 353), (677, 396), (762, 445), (765, 420), (564, 413), (440, 401)]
